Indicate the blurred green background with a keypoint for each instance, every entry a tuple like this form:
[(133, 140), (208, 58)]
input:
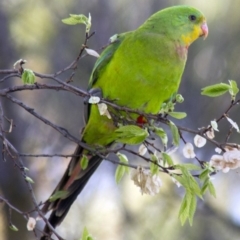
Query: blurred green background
[(33, 30)]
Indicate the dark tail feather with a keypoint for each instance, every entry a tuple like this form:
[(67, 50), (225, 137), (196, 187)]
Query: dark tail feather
[(60, 207)]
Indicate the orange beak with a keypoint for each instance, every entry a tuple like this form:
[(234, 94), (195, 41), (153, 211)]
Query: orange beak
[(204, 28)]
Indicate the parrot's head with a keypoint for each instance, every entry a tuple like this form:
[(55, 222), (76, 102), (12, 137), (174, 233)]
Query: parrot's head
[(180, 23), (190, 24)]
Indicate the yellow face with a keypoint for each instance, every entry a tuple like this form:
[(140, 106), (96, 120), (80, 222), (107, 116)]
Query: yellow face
[(199, 30)]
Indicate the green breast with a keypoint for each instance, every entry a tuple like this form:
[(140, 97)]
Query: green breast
[(143, 73)]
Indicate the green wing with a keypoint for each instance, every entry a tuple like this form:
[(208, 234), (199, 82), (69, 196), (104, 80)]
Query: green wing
[(105, 58), (99, 67)]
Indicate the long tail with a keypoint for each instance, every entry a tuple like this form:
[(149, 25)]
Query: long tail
[(73, 182)]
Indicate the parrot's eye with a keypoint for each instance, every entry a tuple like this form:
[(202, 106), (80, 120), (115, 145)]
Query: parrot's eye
[(192, 17)]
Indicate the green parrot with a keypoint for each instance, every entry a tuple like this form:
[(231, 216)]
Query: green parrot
[(140, 70)]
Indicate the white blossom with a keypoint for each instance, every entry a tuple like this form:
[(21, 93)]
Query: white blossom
[(94, 100), (210, 134), (234, 124), (199, 141), (232, 146), (18, 63), (31, 224), (217, 162), (188, 151), (142, 150), (102, 108), (232, 156), (148, 183), (229, 160), (113, 38), (214, 125), (225, 170), (92, 52), (218, 150)]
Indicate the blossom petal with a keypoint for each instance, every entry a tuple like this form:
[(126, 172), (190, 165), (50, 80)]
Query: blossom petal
[(94, 100), (214, 125), (142, 150), (103, 110), (148, 183), (199, 141), (188, 151), (234, 124), (92, 52), (210, 134), (229, 160), (218, 150), (31, 224)]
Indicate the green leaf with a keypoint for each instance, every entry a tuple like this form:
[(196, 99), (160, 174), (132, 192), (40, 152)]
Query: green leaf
[(191, 167), (84, 162), (192, 208), (187, 180), (78, 19), (28, 179), (234, 89), (121, 170), (211, 189), (167, 159), (205, 186), (204, 174), (75, 19), (13, 227), (194, 187), (162, 134), (169, 107), (58, 195), (90, 238), (180, 179), (205, 177), (188, 208), (86, 235), (89, 23), (28, 77), (175, 133), (123, 158), (153, 165), (131, 134), (215, 90), (183, 211), (177, 115), (179, 98)]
